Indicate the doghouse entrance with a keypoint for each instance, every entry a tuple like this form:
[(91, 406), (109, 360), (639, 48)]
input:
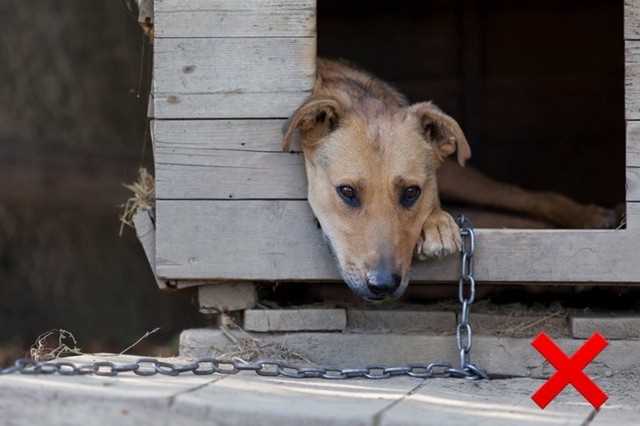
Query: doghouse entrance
[(538, 86)]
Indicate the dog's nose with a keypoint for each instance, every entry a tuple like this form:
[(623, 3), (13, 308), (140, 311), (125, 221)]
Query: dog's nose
[(383, 282)]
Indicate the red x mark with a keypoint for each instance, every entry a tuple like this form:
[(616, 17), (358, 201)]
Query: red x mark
[(569, 370)]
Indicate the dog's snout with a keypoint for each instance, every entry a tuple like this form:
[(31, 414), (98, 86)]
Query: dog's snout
[(382, 282)]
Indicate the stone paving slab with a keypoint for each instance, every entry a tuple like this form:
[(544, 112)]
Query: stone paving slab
[(406, 321), (479, 403), (498, 355), (611, 326), (269, 320), (248, 399), (252, 400)]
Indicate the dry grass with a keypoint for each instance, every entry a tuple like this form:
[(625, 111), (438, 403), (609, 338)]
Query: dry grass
[(143, 197), (53, 344), (248, 348), (134, 344)]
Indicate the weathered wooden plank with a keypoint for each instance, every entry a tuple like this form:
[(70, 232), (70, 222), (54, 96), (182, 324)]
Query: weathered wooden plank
[(146, 233), (633, 143), (225, 159), (633, 183), (278, 240), (633, 216), (233, 65), (632, 79), (228, 105), (219, 174), (205, 135), (233, 18), (631, 19)]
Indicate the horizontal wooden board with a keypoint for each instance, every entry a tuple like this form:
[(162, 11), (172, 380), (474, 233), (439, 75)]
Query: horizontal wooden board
[(189, 173), (232, 78), (632, 79), (227, 105), (233, 65), (222, 159), (233, 18), (278, 240), (631, 19), (205, 135)]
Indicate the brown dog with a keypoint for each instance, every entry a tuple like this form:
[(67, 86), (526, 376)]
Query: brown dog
[(371, 162)]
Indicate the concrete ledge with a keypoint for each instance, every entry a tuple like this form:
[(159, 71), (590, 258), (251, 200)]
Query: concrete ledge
[(386, 321), (496, 324), (264, 320), (611, 327), (225, 297), (507, 356)]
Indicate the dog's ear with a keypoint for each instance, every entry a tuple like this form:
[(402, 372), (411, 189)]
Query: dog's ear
[(314, 119), (443, 131)]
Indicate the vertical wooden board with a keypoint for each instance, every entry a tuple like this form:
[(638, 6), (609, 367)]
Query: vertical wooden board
[(233, 65), (633, 144), (233, 18), (633, 216), (631, 19), (632, 79), (146, 233), (633, 183)]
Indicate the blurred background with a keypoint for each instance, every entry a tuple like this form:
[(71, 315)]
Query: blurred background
[(75, 79), (537, 85)]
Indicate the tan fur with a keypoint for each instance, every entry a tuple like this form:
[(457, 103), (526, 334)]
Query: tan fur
[(357, 130)]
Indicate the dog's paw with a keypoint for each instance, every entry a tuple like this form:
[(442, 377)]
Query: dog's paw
[(440, 236), (592, 216)]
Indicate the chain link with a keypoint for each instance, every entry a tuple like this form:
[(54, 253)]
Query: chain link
[(466, 296), (209, 366)]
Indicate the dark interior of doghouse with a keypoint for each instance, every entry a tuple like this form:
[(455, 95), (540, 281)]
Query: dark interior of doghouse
[(537, 86)]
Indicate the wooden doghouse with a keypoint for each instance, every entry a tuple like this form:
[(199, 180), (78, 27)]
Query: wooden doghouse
[(231, 206)]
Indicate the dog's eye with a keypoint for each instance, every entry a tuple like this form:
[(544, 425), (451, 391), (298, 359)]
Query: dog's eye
[(348, 195), (409, 196)]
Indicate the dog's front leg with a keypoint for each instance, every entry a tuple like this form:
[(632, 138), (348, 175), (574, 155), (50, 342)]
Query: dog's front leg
[(440, 236)]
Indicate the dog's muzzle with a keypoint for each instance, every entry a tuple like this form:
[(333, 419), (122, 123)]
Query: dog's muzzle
[(383, 283)]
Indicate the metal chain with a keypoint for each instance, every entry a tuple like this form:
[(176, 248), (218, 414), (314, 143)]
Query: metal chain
[(466, 296), (209, 366)]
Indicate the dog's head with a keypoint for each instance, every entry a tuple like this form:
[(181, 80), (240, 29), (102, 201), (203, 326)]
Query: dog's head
[(372, 183)]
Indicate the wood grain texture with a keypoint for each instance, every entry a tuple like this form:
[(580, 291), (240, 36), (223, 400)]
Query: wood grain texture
[(631, 19), (633, 144), (633, 216), (278, 240), (233, 18), (190, 173), (146, 233), (223, 159), (239, 65), (205, 135), (632, 79), (227, 105), (633, 183)]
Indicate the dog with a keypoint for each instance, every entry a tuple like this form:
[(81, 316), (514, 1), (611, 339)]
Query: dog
[(376, 167)]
